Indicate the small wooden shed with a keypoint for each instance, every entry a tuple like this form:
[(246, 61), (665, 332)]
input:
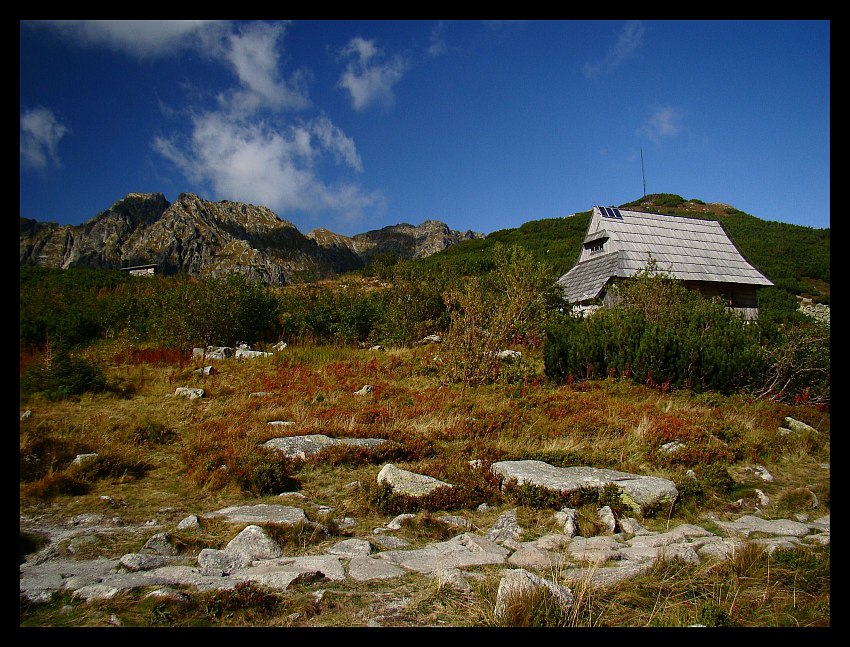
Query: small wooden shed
[(140, 270), (619, 244)]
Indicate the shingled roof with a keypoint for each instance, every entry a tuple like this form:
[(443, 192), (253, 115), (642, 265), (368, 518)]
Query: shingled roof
[(619, 243)]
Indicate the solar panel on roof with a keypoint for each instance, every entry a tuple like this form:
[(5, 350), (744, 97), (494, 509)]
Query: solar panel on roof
[(609, 212), (617, 213)]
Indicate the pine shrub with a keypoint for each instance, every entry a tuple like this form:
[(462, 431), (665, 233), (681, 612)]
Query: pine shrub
[(662, 334), (60, 376)]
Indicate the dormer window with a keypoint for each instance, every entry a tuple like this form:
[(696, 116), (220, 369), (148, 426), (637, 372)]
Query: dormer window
[(595, 242)]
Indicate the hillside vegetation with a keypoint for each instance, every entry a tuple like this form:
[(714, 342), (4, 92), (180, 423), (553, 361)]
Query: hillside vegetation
[(485, 295), (794, 257)]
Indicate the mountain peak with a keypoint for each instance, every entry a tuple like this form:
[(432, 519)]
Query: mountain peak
[(199, 237)]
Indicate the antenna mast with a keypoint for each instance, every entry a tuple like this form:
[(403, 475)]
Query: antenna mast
[(642, 171)]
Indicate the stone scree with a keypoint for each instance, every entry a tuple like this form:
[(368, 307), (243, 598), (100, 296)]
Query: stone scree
[(252, 556)]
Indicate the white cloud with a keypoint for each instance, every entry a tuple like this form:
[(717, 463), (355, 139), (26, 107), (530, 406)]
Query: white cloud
[(242, 150), (252, 53), (249, 49), (255, 163), (41, 132), (438, 45), (663, 122), (627, 45), (368, 78), (141, 38), (333, 139)]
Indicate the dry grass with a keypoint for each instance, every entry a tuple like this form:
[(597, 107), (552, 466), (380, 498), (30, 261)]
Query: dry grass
[(165, 452)]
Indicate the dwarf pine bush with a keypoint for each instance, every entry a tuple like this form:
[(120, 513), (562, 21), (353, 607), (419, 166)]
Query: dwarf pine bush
[(658, 333), (61, 376)]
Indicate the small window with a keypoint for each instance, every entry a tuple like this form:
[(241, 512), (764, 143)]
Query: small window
[(596, 246)]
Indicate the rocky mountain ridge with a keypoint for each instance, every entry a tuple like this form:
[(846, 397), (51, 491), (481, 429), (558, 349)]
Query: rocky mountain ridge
[(203, 238)]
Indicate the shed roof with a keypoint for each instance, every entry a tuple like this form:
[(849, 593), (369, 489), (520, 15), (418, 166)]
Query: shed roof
[(586, 280), (688, 249)]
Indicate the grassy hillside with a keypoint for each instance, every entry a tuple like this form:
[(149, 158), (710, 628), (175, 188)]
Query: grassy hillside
[(554, 240)]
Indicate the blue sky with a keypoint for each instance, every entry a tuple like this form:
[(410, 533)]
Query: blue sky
[(356, 125)]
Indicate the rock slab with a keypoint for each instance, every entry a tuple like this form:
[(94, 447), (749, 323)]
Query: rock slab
[(640, 491)]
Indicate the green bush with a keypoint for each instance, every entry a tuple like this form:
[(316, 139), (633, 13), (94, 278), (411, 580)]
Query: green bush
[(798, 365), (492, 313), (778, 306), (265, 472), (212, 311), (659, 333), (60, 376), (667, 200), (329, 315), (67, 305), (413, 306)]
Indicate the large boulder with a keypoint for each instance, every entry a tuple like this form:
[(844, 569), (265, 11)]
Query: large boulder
[(638, 492), (410, 483)]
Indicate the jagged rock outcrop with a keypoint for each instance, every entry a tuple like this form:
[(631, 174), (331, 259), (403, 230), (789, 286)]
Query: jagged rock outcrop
[(98, 243), (203, 238), (404, 241), (409, 242)]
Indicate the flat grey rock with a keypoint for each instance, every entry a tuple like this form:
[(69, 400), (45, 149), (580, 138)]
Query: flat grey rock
[(452, 578), (159, 544), (520, 581), (771, 544), (537, 558), (505, 529), (551, 542), (389, 542), (798, 426), (261, 513), (599, 561), (307, 445), (143, 562), (640, 490), (330, 566), (96, 592), (596, 550), (459, 552), (674, 536), (254, 541), (276, 578), (722, 548), (213, 561), (606, 576), (351, 548), (405, 482), (748, 525), (365, 568)]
